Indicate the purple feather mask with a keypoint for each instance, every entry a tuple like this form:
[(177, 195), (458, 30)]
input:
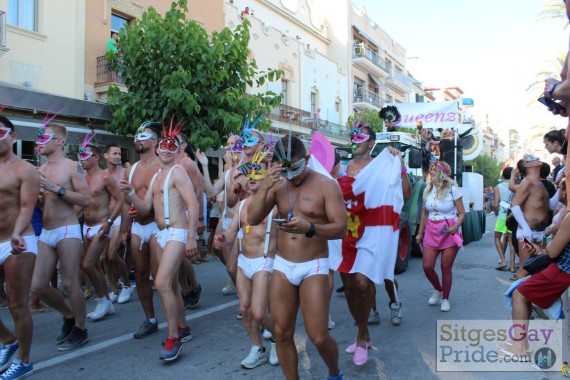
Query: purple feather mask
[(356, 135), (83, 153), (43, 137)]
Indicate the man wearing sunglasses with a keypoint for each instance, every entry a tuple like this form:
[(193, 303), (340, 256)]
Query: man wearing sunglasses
[(63, 186), (20, 184), (98, 219), (144, 228), (171, 196), (310, 212)]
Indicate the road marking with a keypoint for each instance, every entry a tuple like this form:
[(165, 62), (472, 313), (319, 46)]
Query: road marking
[(108, 343)]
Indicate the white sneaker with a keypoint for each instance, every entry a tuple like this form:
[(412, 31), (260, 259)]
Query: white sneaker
[(332, 325), (435, 297), (255, 358), (273, 359), (113, 297), (445, 305), (104, 307), (227, 289), (396, 311), (126, 294), (267, 335)]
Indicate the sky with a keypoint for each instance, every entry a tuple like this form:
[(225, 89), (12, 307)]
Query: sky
[(492, 49)]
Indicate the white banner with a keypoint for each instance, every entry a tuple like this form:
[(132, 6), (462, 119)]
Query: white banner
[(432, 115)]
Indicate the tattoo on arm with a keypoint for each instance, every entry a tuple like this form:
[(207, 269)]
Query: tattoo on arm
[(79, 169)]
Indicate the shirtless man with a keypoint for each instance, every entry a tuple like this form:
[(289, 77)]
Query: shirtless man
[(170, 194), (530, 209), (191, 289), (98, 220), (19, 190), (314, 212), (144, 228), (360, 290), (255, 265), (64, 187), (115, 264)]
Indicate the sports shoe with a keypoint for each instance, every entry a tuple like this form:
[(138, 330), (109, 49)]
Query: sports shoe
[(340, 291), (126, 294), (373, 318), (350, 349), (435, 297), (76, 339), (445, 305), (257, 356), (184, 334), (267, 334), (18, 370), (104, 307), (194, 298), (146, 329), (6, 353), (340, 376), (396, 310), (171, 349), (113, 297), (227, 289), (65, 330), (331, 324), (273, 359), (87, 293)]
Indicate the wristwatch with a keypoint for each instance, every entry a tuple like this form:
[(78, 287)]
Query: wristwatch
[(311, 231), (552, 88), (61, 192), (110, 221), (200, 218)]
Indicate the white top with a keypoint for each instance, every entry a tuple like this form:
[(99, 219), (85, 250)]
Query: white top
[(444, 206)]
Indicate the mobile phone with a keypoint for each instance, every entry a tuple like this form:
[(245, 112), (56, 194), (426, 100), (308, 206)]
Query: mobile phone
[(279, 221), (444, 230), (552, 104), (526, 243)]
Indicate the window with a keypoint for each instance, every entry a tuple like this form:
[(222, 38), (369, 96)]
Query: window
[(313, 102), (23, 14), (284, 88), (118, 22)]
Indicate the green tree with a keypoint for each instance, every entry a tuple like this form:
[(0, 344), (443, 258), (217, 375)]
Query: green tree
[(171, 67), (367, 116), (488, 168)]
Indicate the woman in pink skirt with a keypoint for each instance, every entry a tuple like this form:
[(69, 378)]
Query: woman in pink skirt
[(439, 230)]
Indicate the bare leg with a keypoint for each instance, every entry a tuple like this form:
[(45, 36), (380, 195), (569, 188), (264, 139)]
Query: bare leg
[(69, 264), (19, 270), (93, 249), (358, 296), (500, 248), (245, 289), (315, 306), (141, 260), (428, 262)]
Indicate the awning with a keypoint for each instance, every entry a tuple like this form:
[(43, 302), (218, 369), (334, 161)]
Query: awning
[(369, 38), (378, 83), (26, 99)]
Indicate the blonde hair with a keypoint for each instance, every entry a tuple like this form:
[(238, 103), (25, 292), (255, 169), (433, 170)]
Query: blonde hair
[(59, 130), (441, 181)]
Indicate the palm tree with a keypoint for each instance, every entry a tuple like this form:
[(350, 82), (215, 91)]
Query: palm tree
[(553, 9)]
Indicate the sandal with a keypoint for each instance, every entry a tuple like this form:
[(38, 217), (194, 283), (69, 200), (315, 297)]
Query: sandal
[(502, 268), (513, 277)]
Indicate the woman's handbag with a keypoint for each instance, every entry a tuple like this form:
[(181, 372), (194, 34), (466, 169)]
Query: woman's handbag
[(536, 263)]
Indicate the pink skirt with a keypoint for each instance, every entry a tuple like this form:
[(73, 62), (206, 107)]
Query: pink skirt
[(433, 238)]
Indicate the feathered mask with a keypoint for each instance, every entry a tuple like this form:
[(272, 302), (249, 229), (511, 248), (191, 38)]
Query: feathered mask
[(169, 143), (390, 113), (247, 137), (142, 134), (43, 137), (291, 170), (83, 153), (356, 135), (253, 170), (4, 132)]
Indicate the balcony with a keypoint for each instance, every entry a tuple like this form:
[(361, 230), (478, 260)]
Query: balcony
[(369, 61), (399, 82), (366, 99), (285, 117), (3, 48), (106, 77)]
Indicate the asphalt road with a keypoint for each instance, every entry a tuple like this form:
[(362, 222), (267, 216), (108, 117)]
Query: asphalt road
[(220, 342)]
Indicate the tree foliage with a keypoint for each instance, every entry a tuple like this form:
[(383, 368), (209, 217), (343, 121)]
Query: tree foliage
[(488, 168), (171, 67), (367, 116)]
